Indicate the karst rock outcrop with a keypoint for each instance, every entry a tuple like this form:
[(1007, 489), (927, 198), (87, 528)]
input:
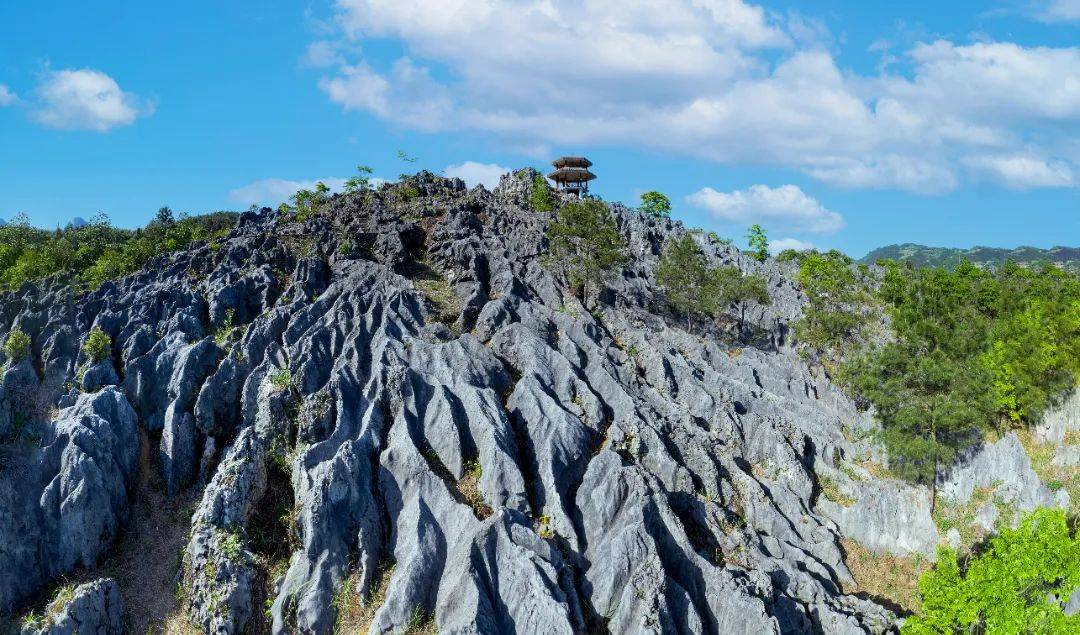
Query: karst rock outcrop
[(399, 392)]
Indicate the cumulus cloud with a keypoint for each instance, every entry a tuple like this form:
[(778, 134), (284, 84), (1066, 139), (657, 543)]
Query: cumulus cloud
[(720, 79), (1024, 172), (86, 99), (275, 191), (781, 244), (786, 206), (473, 173), (6, 96)]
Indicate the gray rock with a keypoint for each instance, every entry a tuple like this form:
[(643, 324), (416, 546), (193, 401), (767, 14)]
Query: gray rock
[(95, 608), (1002, 466), (1059, 420), (70, 500), (887, 517)]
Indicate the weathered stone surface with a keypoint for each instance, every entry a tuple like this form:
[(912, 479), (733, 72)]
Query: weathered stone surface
[(95, 608), (426, 395), (1002, 466), (64, 502)]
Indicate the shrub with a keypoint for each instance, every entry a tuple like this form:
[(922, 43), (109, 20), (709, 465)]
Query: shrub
[(541, 199), (1017, 585), (98, 345), (17, 346), (281, 379), (655, 204)]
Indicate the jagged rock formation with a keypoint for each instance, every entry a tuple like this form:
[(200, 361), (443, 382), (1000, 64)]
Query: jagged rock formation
[(398, 388)]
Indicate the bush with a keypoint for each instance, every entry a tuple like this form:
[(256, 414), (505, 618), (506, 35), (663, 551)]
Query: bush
[(541, 199), (655, 204), (1017, 585), (98, 346), (17, 346)]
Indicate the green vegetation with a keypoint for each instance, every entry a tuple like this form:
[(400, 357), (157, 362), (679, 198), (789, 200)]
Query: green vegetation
[(98, 345), (1016, 585), (974, 351), (360, 182), (281, 379), (758, 242), (585, 242), (541, 198), (949, 257), (97, 251), (694, 288), (306, 203), (655, 204), (17, 346), (836, 298)]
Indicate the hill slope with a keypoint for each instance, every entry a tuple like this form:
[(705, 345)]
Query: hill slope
[(948, 257), (396, 400)]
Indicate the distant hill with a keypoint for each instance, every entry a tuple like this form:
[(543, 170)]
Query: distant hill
[(923, 256)]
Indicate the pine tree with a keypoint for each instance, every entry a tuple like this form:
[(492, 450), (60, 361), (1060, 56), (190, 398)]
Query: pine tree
[(692, 287), (684, 274), (585, 242)]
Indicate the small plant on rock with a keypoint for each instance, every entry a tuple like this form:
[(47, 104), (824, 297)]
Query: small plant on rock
[(17, 346), (541, 198), (97, 346), (281, 379)]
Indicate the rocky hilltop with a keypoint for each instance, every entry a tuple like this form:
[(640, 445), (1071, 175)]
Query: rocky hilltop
[(393, 417)]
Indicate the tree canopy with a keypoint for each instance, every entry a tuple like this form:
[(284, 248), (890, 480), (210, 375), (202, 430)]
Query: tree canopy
[(692, 287), (585, 242), (1017, 585), (655, 204), (97, 251), (758, 242)]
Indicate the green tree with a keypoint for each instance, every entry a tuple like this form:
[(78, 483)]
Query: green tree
[(1017, 585), (164, 216), (361, 181), (927, 386), (837, 298), (541, 198), (684, 273), (17, 345), (694, 288), (655, 204), (98, 345), (758, 242), (585, 242)]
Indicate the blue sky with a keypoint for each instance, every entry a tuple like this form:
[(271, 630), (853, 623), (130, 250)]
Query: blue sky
[(837, 124)]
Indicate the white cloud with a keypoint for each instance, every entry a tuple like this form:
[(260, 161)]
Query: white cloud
[(1024, 172), (473, 173), (1058, 11), (786, 206), (6, 96), (275, 191), (781, 244), (692, 77), (86, 99)]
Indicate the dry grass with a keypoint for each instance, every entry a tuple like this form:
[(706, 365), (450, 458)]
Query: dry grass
[(1055, 477), (177, 623), (948, 515), (355, 612), (469, 486), (891, 577), (831, 490)]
